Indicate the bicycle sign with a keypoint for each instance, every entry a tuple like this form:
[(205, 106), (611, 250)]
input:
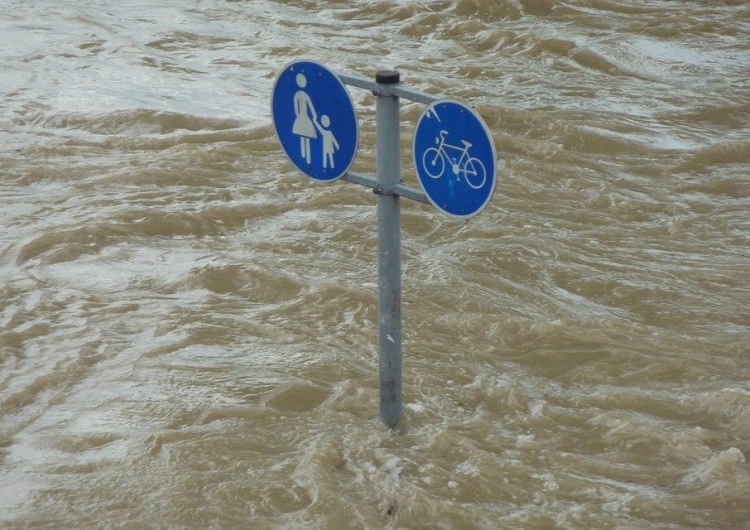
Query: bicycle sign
[(454, 158), (471, 169)]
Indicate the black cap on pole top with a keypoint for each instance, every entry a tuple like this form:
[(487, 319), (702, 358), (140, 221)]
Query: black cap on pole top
[(387, 77)]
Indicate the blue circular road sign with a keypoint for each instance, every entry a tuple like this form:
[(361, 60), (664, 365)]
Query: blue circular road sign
[(314, 119), (454, 157)]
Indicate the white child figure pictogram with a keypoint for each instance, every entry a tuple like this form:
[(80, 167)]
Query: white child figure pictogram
[(330, 145)]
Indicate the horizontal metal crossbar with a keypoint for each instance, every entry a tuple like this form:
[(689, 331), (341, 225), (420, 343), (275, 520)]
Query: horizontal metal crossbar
[(399, 189), (389, 90), (380, 90)]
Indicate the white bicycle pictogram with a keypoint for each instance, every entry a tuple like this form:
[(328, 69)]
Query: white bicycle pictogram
[(435, 158)]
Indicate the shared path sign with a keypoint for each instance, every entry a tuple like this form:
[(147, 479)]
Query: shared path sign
[(454, 158), (315, 121)]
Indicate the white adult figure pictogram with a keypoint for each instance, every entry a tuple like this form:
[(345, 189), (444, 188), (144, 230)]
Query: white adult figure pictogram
[(306, 120)]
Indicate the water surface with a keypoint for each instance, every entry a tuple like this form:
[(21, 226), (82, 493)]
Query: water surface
[(188, 326)]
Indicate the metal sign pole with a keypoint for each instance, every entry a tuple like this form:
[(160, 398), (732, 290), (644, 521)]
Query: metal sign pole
[(459, 187), (389, 245)]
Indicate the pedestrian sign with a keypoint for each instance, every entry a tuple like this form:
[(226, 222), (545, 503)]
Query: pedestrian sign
[(454, 157), (314, 119)]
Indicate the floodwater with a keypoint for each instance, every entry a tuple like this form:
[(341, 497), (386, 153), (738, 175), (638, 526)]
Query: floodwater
[(188, 325)]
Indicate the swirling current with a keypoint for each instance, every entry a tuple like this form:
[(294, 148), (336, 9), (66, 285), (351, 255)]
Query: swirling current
[(188, 325)]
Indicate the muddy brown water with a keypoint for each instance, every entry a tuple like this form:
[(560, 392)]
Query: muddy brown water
[(188, 326)]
